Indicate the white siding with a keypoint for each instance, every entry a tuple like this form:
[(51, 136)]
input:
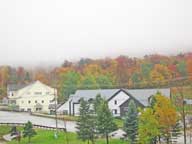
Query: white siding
[(35, 92), (120, 98), (76, 109), (64, 107)]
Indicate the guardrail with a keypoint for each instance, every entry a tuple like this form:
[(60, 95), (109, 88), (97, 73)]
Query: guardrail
[(34, 125)]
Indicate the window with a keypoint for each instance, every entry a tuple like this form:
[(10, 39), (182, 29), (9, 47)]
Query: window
[(22, 102), (29, 110), (47, 93), (115, 102), (38, 93), (36, 101), (12, 94), (38, 109), (114, 111), (29, 101), (42, 101)]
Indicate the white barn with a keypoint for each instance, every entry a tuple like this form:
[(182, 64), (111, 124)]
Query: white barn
[(118, 99)]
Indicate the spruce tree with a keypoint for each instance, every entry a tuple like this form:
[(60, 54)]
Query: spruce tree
[(131, 122), (85, 122), (29, 131), (105, 120)]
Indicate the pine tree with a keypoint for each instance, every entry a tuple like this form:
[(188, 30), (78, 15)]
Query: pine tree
[(105, 120), (85, 122), (29, 131), (131, 122)]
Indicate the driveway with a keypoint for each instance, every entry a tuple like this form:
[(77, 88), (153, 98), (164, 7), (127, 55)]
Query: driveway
[(16, 117)]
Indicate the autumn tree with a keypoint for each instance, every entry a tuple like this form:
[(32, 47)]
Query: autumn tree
[(42, 76), (166, 115), (148, 128), (160, 74)]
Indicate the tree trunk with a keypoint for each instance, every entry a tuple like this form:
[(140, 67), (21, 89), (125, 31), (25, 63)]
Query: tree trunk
[(159, 139), (29, 140), (107, 138)]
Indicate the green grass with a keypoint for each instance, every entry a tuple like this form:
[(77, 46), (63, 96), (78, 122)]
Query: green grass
[(47, 137), (3, 130)]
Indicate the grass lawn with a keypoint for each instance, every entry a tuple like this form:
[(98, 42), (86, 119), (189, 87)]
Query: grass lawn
[(3, 130), (47, 137)]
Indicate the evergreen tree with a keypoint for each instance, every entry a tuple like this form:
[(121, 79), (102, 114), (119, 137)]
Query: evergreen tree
[(85, 122), (105, 120), (97, 102), (131, 122), (27, 77), (29, 131)]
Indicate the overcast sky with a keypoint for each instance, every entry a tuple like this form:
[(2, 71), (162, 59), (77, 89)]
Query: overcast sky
[(34, 31)]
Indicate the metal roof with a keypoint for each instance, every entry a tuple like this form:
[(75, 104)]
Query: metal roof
[(15, 87), (91, 94), (141, 95)]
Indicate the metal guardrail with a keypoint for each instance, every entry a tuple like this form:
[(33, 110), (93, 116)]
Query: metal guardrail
[(34, 125)]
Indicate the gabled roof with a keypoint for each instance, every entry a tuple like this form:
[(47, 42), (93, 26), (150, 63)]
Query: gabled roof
[(141, 95), (15, 87), (91, 94)]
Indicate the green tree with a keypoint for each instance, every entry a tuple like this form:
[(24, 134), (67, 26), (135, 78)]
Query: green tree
[(104, 81), (135, 79), (105, 120), (29, 131), (182, 68), (148, 128), (89, 82), (69, 84), (146, 69), (131, 122), (96, 103), (27, 77), (85, 122)]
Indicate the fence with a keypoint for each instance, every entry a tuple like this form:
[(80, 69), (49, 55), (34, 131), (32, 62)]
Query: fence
[(34, 125)]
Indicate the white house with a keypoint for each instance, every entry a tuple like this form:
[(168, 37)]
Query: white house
[(118, 99), (34, 97)]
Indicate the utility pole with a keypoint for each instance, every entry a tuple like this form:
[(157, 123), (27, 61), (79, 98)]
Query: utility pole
[(56, 122), (65, 126), (183, 115)]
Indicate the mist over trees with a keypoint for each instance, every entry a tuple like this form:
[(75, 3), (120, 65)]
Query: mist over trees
[(121, 72)]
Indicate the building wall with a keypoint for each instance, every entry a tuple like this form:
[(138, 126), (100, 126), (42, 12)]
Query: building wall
[(64, 108), (116, 101), (30, 102), (76, 109), (26, 97)]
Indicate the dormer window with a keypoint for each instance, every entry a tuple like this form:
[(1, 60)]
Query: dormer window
[(12, 94), (115, 102), (38, 93)]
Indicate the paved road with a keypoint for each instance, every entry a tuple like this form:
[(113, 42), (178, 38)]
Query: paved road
[(14, 117)]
